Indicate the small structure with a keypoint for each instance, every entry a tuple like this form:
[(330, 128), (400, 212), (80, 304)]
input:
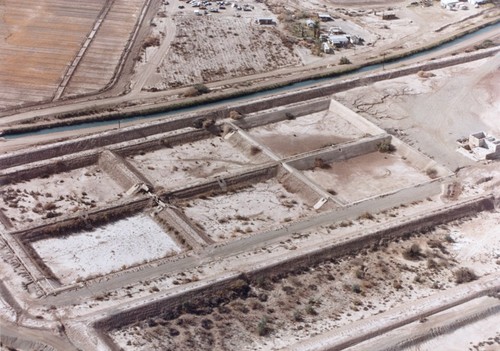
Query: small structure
[(267, 20), (389, 16), (355, 40), (327, 49), (336, 31), (310, 23), (338, 40), (481, 146), (478, 2), (325, 17), (449, 4)]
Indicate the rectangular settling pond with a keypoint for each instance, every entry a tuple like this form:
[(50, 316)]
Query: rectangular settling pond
[(105, 249)]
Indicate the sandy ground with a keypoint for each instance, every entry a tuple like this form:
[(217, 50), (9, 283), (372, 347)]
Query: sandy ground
[(190, 162), (254, 209), (230, 47), (306, 133), (109, 248), (58, 194), (366, 176)]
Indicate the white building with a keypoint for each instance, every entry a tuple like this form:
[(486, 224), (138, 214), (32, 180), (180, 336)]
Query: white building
[(338, 40), (449, 4), (485, 147)]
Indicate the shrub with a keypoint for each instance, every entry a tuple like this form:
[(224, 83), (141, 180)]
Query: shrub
[(310, 310), (345, 223), (151, 41), (297, 316), (201, 88), (432, 264), (485, 44), (235, 115), (263, 328), (449, 238), (366, 215), (254, 150), (289, 116), (464, 275), (320, 163), (196, 90), (332, 192), (356, 288), (431, 173), (385, 147), (413, 253), (344, 61)]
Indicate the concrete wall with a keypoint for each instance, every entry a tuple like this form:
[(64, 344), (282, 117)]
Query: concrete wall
[(232, 182), (160, 141), (279, 114), (183, 232), (418, 160), (355, 119), (121, 171), (71, 223), (47, 167), (339, 152), (5, 220)]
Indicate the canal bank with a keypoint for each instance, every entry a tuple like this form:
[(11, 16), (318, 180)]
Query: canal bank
[(325, 83)]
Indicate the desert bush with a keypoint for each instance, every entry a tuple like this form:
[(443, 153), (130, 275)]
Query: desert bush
[(320, 163), (385, 147), (151, 41), (235, 115), (263, 327), (345, 223), (310, 310), (254, 150), (289, 116), (484, 45), (413, 253), (297, 316), (355, 288), (431, 173), (359, 273), (331, 191), (344, 61), (366, 215), (449, 239), (207, 123), (432, 264), (464, 275), (196, 90)]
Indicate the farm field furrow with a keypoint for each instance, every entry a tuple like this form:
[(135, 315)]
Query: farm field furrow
[(46, 41)]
